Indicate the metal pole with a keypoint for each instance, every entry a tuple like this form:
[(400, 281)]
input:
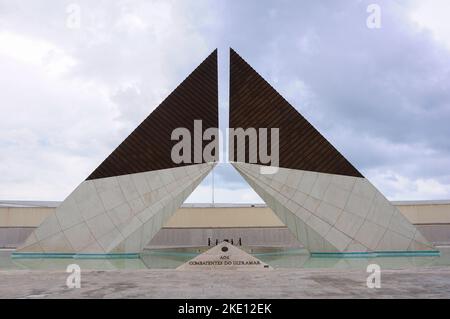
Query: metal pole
[(213, 187)]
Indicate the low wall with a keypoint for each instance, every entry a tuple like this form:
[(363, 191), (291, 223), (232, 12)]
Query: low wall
[(193, 225)]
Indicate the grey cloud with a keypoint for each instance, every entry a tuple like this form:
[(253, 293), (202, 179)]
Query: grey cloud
[(390, 85), (381, 96)]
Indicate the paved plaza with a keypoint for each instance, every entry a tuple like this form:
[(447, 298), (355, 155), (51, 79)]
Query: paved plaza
[(431, 282)]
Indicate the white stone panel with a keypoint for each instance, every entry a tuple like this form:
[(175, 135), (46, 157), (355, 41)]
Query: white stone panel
[(130, 227), (328, 213), (381, 211), (354, 246), (68, 214), (393, 241), (290, 222), (146, 214), (280, 176), (128, 187), (179, 173), (338, 238), (193, 170), (300, 198), (292, 206), (358, 205), (315, 242), (344, 182), (136, 205), (363, 188), (120, 215), (320, 186), (399, 224), (303, 214), (131, 243), (140, 181), (311, 204), (111, 197), (302, 232), (100, 225), (276, 184), (88, 202), (50, 226), (31, 240), (289, 192), (104, 184), (109, 214), (166, 176), (349, 223), (370, 235), (35, 248), (57, 243), (94, 248), (332, 213), (336, 196), (147, 232), (293, 180), (153, 196), (154, 181), (307, 182), (155, 217), (79, 236), (110, 240), (318, 225)]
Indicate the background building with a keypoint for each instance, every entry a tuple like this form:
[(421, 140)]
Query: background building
[(194, 224)]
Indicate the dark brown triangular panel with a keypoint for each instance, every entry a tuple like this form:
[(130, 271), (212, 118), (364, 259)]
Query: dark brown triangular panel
[(149, 146), (255, 103)]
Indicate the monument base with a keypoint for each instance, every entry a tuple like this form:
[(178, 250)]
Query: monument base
[(17, 255), (374, 254), (224, 256)]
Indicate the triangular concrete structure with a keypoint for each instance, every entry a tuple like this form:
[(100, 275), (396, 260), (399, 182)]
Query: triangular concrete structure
[(333, 213), (322, 198), (326, 203), (128, 198), (254, 103), (224, 256)]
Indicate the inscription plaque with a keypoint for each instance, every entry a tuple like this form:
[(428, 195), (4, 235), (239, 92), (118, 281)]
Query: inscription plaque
[(224, 257)]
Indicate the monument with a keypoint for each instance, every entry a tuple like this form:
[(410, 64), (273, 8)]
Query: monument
[(327, 204), (118, 209), (321, 197)]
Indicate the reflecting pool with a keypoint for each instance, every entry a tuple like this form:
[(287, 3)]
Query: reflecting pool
[(8, 263), (174, 257), (296, 258)]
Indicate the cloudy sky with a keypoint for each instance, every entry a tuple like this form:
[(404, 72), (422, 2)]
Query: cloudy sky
[(76, 77)]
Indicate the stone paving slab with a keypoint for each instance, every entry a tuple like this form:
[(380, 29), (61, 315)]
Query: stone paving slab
[(433, 282)]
